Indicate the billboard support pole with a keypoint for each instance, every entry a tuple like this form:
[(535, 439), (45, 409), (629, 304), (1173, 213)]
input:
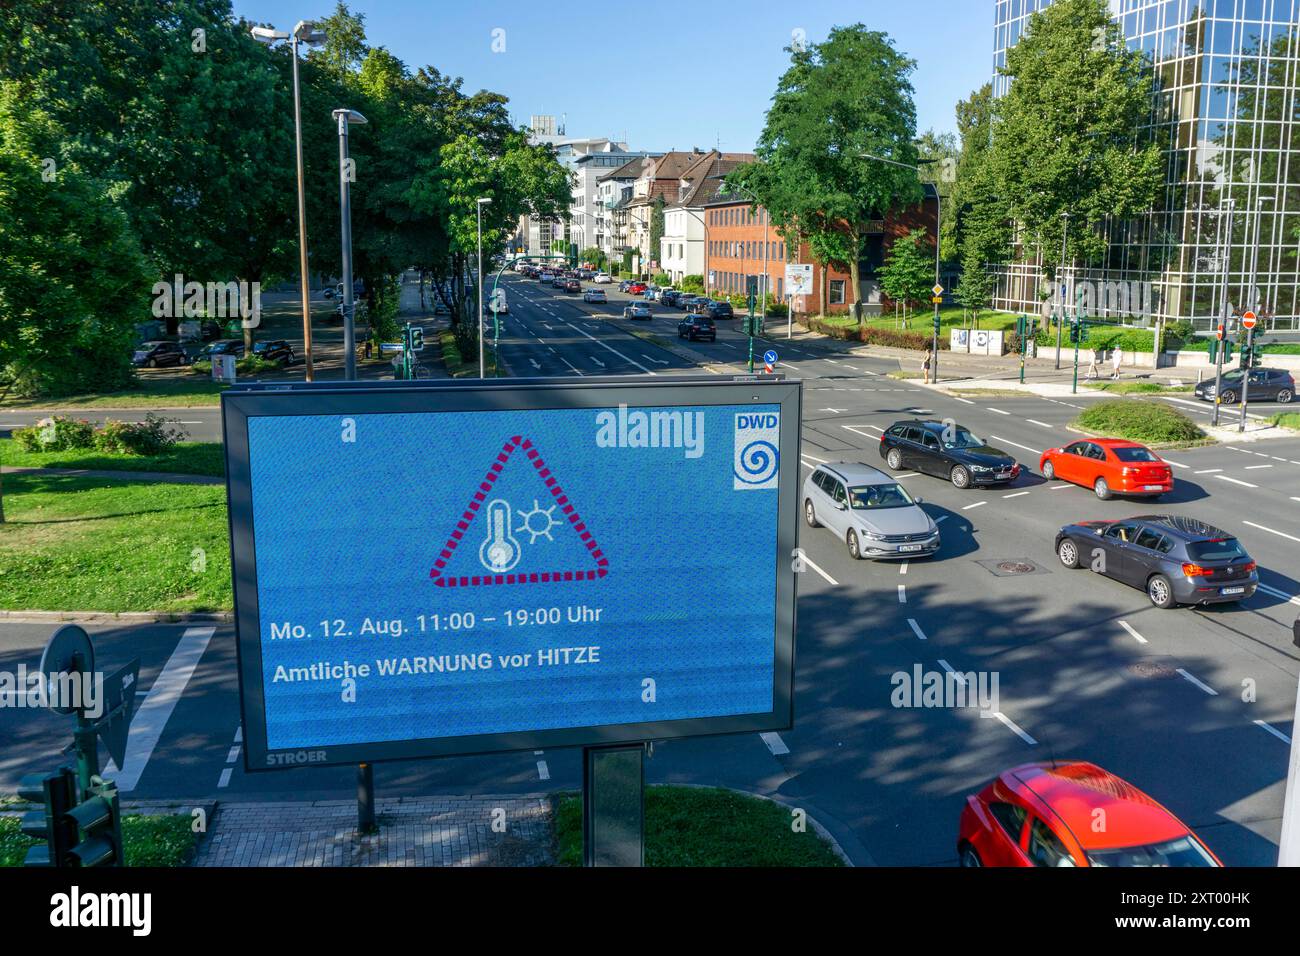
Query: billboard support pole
[(613, 805), (366, 798)]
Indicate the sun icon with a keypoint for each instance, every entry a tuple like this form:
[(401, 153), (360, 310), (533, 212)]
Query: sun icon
[(538, 516)]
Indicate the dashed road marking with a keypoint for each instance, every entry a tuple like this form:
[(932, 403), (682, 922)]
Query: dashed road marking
[(1235, 481), (775, 743), (1018, 494), (543, 771), (902, 594), (1272, 730), (978, 504), (1011, 725), (916, 629), (1280, 534), (816, 567), (998, 410), (1132, 633), (1007, 441), (1197, 683)]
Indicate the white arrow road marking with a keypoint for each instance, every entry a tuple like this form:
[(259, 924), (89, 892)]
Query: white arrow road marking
[(606, 345), (598, 361), (650, 359), (534, 361)]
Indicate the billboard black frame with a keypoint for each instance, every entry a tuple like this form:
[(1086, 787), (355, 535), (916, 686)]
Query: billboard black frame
[(353, 399)]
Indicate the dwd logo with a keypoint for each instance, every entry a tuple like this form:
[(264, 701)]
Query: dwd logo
[(755, 465)]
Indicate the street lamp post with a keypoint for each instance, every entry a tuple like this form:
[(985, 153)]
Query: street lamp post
[(346, 118), (304, 32), (482, 365)]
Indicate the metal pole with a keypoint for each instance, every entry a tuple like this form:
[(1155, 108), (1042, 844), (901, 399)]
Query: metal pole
[(938, 232), (1254, 306), (345, 210), (366, 798), (1060, 319), (482, 366), (1226, 229), (302, 219)]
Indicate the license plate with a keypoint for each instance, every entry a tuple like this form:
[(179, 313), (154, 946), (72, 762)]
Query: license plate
[(1154, 487), (1232, 590), (910, 547)]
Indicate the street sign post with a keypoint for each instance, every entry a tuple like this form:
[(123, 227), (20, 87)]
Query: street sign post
[(522, 605), (769, 360), (1248, 322)]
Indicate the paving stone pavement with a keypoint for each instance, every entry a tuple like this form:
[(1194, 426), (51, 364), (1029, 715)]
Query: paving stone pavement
[(441, 831)]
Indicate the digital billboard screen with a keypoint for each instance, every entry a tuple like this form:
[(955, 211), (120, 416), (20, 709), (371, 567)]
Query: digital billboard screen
[(432, 570)]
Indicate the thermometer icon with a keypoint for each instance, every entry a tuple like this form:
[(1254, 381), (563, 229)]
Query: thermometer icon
[(499, 552)]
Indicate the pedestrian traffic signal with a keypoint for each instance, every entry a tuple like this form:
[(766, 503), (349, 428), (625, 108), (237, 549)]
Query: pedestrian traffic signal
[(99, 818), (57, 794), (417, 338)]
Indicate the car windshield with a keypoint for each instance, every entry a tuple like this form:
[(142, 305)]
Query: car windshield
[(1181, 852), (961, 438), (876, 497), (1134, 454), (1219, 549)]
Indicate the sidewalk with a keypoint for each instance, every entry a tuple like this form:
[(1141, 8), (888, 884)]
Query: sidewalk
[(438, 831)]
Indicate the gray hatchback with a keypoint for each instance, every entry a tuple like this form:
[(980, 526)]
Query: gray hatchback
[(869, 511), (1175, 560)]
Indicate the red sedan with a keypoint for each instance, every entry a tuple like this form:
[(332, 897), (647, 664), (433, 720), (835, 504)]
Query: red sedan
[(1072, 814), (636, 288), (1109, 466)]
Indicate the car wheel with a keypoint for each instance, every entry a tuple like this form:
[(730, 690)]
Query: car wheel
[(1101, 489), (854, 551), (1229, 397), (1049, 470), (1068, 552), (1284, 396), (810, 514), (1160, 591), (152, 363), (960, 477), (894, 459), (970, 858)]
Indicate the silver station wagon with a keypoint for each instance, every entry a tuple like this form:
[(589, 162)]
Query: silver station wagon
[(869, 511)]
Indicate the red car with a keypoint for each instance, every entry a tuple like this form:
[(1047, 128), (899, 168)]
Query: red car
[(636, 288), (1072, 813), (1109, 466)]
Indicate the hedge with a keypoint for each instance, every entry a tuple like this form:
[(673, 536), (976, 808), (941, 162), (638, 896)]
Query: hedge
[(1137, 420), (870, 335)]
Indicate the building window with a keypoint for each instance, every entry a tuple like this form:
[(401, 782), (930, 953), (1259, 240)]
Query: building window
[(837, 292)]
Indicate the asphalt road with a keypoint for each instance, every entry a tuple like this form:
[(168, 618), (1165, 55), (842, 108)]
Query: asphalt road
[(1193, 706)]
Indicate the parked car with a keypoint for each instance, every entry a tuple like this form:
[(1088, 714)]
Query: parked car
[(233, 347), (636, 288), (275, 350), (694, 327), (686, 301), (595, 295), (602, 278), (156, 354), (1045, 814), (637, 310), (946, 450), (1263, 385), (1176, 560), (869, 511), (572, 285), (670, 296), (720, 310), (1109, 466)]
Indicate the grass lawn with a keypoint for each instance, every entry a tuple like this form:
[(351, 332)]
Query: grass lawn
[(1136, 388), (150, 393), (186, 458), (923, 321), (698, 826), (155, 840), (95, 544), (1150, 422), (1287, 420), (457, 365)]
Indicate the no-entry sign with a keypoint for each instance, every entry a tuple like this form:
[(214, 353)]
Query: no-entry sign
[(1248, 320)]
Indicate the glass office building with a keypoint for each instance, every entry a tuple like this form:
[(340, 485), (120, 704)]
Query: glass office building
[(1227, 73)]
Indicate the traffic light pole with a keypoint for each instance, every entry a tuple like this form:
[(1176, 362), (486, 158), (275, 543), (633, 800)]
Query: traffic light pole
[(1221, 346), (1247, 363)]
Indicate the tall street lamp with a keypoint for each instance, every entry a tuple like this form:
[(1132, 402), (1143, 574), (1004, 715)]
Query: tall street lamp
[(304, 32), (346, 118), (938, 232), (482, 365)]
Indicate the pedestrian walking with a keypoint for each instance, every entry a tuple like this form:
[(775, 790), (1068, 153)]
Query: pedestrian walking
[(926, 365), (1094, 366), (1116, 358)]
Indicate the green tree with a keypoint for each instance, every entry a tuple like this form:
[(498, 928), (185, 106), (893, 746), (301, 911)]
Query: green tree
[(975, 288), (840, 99), (656, 230), (908, 271), (940, 155)]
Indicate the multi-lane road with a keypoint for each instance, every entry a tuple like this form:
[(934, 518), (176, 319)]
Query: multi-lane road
[(1193, 706)]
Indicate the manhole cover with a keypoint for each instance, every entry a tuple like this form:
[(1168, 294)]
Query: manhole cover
[(1150, 669), (1011, 567)]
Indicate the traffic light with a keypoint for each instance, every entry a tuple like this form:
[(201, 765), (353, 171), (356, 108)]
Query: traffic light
[(417, 339), (57, 793), (99, 818)]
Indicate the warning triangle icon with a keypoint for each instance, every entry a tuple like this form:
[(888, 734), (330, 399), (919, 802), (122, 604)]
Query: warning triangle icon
[(494, 542)]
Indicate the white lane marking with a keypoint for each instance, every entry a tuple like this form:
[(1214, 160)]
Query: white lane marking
[(775, 743), (820, 461), (152, 716), (1035, 421), (1011, 726), (902, 568), (816, 567), (1289, 598), (612, 349), (1059, 487), (966, 401), (909, 474), (902, 594), (1176, 464), (1294, 498), (1244, 484), (1007, 441), (1018, 494), (1210, 471), (941, 518), (1257, 467), (233, 755), (239, 734), (1132, 633), (1280, 534), (1272, 730), (543, 771), (224, 780), (998, 410), (1203, 686), (978, 504), (916, 629), (858, 429), (960, 677)]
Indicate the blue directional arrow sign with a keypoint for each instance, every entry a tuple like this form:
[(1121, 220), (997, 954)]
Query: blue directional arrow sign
[(769, 357)]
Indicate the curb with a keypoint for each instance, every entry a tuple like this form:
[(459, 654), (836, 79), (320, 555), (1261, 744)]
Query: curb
[(108, 617)]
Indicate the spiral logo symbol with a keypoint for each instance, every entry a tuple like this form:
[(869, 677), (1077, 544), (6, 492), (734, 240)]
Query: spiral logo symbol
[(757, 462)]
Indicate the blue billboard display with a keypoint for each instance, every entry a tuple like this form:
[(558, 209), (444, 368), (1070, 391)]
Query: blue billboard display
[(596, 565)]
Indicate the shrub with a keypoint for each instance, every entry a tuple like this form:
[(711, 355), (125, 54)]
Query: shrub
[(777, 310), (662, 279), (59, 433), (252, 364), (693, 284), (153, 436), (1137, 420)]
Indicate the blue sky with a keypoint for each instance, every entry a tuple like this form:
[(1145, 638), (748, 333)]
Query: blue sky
[(668, 74)]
